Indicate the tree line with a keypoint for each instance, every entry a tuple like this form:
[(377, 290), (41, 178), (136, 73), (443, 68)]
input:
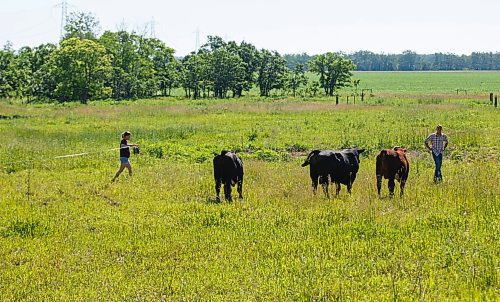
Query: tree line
[(126, 65), (411, 61)]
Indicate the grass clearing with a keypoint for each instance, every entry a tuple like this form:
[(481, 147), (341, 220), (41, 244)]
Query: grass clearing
[(67, 233)]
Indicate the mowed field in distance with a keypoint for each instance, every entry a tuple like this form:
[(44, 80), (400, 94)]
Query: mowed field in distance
[(68, 233), (417, 84)]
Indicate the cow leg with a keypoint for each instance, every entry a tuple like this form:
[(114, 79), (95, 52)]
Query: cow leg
[(324, 183), (378, 172), (240, 188), (379, 185), (227, 190), (314, 179), (392, 184), (352, 178), (217, 189), (402, 186), (337, 188)]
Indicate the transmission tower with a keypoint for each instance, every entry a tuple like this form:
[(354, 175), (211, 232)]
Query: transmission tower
[(152, 28), (197, 45), (64, 15)]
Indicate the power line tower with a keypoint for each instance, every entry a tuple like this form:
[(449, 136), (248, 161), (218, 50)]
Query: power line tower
[(197, 45), (64, 15), (152, 25)]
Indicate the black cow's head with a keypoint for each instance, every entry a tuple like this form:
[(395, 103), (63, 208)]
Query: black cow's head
[(357, 150)]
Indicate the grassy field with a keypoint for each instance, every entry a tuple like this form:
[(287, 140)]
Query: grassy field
[(427, 85), (431, 82), (68, 233)]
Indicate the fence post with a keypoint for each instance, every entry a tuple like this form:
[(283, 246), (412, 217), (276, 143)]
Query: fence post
[(347, 99), (491, 98), (336, 99), (496, 101), (362, 96)]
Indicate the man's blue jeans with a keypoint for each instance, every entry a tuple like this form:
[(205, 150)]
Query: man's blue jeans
[(438, 160)]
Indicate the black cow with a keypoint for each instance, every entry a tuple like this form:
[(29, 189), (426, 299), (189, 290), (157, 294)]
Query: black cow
[(228, 170), (339, 166)]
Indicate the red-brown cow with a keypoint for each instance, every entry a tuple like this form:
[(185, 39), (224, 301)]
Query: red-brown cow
[(392, 164)]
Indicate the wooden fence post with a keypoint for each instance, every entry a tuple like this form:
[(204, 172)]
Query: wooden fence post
[(347, 99), (337, 99), (496, 101), (491, 98)]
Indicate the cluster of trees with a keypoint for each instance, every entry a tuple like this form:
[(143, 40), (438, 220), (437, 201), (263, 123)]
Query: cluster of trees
[(84, 66), (126, 65), (411, 61)]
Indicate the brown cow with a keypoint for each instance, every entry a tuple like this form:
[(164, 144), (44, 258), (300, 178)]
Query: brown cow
[(392, 164)]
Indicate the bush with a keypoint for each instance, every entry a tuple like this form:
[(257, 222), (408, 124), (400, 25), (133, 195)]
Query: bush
[(267, 155), (297, 147), (25, 229), (155, 151)]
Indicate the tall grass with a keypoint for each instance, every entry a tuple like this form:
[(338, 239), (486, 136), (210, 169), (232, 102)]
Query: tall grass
[(67, 233)]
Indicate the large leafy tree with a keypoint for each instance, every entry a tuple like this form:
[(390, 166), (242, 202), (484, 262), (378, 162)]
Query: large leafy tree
[(334, 70), (225, 69), (250, 57), (194, 70), (24, 72), (219, 67), (164, 64), (408, 61), (8, 76), (296, 78), (28, 73), (42, 83), (142, 67), (81, 25), (228, 72), (272, 72), (80, 69)]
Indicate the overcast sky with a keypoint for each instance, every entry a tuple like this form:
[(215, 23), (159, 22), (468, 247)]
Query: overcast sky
[(288, 26)]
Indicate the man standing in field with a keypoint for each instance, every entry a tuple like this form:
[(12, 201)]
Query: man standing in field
[(439, 142)]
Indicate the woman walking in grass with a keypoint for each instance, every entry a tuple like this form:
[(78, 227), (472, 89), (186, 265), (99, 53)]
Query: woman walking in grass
[(125, 154)]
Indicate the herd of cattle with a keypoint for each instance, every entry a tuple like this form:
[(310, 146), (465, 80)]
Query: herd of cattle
[(337, 166)]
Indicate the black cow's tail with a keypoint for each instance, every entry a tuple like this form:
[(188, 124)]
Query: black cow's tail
[(308, 159)]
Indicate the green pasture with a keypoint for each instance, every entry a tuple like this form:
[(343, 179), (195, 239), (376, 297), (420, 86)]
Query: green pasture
[(415, 84), (68, 234), (432, 82)]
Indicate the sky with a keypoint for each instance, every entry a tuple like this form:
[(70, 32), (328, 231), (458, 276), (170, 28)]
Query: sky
[(288, 26)]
